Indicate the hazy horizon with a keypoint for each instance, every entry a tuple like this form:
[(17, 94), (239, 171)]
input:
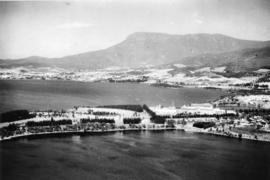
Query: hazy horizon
[(57, 29)]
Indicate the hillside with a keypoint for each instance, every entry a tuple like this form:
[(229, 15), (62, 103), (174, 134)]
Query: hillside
[(241, 60), (149, 49)]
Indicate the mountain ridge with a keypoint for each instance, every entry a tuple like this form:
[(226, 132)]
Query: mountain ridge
[(145, 48)]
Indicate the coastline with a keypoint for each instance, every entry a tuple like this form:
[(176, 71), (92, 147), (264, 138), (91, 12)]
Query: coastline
[(105, 132), (244, 136), (81, 132), (161, 85)]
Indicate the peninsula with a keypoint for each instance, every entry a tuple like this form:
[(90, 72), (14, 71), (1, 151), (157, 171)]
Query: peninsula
[(248, 119)]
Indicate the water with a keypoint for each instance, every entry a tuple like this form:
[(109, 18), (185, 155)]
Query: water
[(44, 95), (136, 155)]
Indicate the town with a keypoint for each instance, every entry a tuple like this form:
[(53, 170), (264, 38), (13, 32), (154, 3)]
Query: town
[(176, 76), (241, 116)]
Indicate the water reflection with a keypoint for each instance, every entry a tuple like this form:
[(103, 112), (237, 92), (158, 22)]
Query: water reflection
[(76, 139)]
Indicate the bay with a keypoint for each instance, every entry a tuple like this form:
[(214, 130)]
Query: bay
[(44, 95)]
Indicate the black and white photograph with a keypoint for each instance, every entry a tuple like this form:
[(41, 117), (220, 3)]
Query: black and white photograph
[(135, 90)]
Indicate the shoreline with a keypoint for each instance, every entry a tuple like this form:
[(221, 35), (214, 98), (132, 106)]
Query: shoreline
[(244, 137), (218, 88), (70, 133), (111, 131)]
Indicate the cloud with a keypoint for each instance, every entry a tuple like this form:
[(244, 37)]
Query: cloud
[(74, 25), (198, 21), (197, 18)]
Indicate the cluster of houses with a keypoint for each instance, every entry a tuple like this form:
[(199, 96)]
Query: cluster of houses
[(209, 118), (194, 108), (261, 101)]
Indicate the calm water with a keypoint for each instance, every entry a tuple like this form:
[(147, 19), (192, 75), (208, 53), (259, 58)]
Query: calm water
[(35, 94), (136, 155)]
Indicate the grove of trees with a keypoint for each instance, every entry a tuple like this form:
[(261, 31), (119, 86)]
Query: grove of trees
[(15, 115)]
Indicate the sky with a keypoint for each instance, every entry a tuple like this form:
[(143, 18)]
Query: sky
[(60, 28)]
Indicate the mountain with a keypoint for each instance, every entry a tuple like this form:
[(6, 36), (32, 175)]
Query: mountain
[(155, 48), (143, 48)]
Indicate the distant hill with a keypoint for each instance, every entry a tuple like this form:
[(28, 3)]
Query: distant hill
[(154, 49), (34, 61), (241, 60)]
